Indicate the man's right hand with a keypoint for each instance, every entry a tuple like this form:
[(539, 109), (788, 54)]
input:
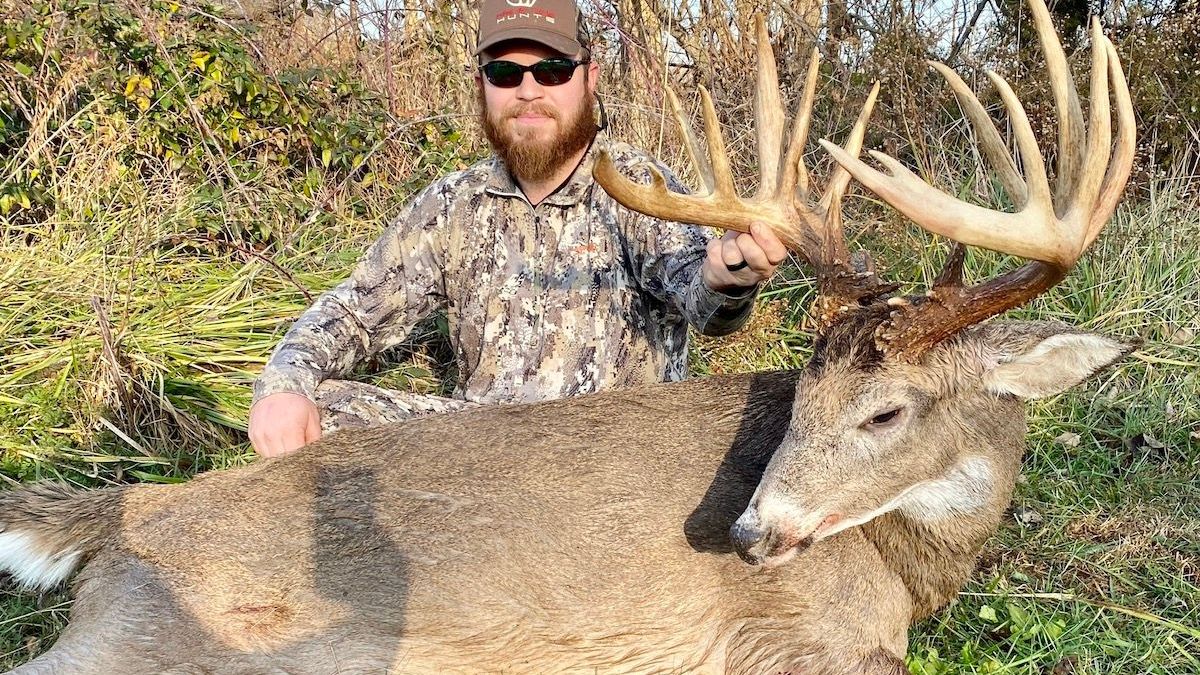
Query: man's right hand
[(282, 423)]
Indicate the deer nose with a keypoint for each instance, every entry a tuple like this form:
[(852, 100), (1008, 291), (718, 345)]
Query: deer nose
[(752, 540)]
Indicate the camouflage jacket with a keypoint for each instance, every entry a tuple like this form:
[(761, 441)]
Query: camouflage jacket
[(574, 295)]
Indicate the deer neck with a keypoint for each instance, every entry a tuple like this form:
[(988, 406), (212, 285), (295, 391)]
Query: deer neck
[(933, 538)]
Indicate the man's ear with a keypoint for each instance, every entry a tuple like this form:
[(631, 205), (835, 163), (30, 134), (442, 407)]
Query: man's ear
[(1035, 359), (593, 71)]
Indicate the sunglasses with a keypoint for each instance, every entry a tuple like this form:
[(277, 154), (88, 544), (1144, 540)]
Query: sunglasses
[(547, 72)]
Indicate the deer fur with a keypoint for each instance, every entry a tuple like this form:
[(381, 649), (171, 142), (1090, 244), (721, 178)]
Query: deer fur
[(591, 534)]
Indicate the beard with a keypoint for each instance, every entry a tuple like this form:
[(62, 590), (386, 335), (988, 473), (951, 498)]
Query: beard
[(532, 156)]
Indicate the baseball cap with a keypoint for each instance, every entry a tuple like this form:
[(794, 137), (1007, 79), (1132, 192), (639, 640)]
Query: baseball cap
[(554, 23)]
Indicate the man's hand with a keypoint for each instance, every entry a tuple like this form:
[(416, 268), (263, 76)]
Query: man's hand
[(742, 260), (282, 423)]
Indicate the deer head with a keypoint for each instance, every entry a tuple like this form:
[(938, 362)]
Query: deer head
[(910, 405)]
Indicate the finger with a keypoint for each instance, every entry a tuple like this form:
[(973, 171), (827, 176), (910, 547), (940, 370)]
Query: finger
[(770, 243), (731, 252), (270, 447), (293, 439), (755, 256), (312, 431), (259, 443), (714, 250)]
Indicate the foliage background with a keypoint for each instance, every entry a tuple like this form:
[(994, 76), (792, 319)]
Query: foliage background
[(178, 180)]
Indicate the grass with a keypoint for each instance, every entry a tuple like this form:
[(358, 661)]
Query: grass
[(129, 344)]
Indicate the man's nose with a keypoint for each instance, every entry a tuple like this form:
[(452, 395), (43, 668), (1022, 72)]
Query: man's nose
[(529, 89)]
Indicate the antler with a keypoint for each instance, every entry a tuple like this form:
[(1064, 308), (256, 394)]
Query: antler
[(783, 201), (1051, 230)]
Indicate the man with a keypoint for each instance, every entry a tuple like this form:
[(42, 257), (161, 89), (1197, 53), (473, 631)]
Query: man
[(551, 288)]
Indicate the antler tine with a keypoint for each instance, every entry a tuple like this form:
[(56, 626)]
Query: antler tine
[(1099, 134), (846, 282), (691, 144), (831, 203), (768, 116), (1122, 158), (1091, 178), (717, 157), (1066, 102), (794, 171), (994, 148)]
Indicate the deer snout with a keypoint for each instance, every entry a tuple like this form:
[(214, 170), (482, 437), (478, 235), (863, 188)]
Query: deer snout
[(758, 542)]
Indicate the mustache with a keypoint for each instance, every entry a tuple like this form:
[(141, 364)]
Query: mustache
[(536, 108)]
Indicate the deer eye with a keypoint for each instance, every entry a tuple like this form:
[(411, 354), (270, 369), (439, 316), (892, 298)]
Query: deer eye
[(883, 419)]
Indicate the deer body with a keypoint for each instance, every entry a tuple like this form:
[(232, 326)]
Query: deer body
[(581, 535)]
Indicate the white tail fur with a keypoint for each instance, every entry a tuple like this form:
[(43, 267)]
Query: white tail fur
[(33, 563)]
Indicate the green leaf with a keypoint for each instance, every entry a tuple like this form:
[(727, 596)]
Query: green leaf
[(200, 59), (1018, 616), (326, 156), (987, 614), (23, 69)]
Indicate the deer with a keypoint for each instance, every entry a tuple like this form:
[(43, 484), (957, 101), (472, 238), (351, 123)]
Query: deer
[(780, 522)]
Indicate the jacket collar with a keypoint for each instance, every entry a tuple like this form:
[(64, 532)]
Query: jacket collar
[(501, 183)]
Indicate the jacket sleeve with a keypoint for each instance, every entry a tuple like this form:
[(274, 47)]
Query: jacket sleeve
[(396, 284), (669, 259)]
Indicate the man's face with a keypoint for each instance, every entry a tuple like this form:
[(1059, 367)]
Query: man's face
[(536, 128)]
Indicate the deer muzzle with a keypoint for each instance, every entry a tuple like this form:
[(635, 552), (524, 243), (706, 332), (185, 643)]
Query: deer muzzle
[(758, 543)]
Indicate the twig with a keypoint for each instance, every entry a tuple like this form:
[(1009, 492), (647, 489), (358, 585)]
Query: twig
[(966, 32)]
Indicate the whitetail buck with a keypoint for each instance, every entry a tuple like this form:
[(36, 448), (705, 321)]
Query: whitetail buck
[(612, 532)]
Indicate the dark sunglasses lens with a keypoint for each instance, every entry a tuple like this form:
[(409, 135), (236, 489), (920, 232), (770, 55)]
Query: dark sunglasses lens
[(503, 73), (553, 72)]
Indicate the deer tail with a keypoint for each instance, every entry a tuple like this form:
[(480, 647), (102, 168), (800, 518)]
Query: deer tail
[(47, 530)]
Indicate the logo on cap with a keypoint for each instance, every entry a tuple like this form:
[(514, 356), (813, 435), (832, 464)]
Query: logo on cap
[(526, 12)]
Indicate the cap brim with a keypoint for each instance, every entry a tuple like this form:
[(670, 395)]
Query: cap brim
[(558, 43)]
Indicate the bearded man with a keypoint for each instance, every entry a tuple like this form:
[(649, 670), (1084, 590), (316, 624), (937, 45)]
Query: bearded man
[(551, 289)]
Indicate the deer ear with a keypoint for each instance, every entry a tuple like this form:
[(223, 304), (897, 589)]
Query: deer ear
[(1030, 359), (1035, 359)]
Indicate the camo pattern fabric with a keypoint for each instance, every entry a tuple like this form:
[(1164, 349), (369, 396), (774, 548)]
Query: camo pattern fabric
[(344, 404), (569, 297)]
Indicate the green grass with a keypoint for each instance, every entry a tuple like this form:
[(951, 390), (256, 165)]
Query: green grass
[(128, 351)]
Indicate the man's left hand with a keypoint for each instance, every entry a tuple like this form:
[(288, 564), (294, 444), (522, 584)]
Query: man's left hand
[(740, 260)]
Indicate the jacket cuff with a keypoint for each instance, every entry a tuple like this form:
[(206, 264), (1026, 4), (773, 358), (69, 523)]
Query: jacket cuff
[(291, 380), (720, 313)]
